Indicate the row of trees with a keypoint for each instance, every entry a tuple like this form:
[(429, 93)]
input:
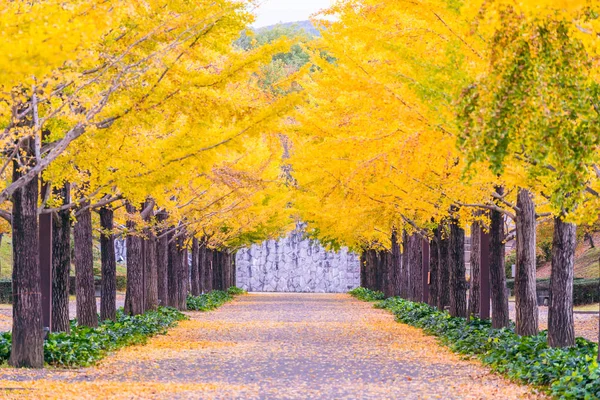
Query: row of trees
[(439, 117), (141, 119), (418, 119)]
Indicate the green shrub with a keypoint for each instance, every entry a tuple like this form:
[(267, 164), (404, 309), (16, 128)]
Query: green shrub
[(585, 291), (211, 300), (235, 291), (121, 283), (365, 294), (570, 373), (84, 346)]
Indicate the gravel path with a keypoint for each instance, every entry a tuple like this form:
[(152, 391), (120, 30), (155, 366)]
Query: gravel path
[(277, 346)]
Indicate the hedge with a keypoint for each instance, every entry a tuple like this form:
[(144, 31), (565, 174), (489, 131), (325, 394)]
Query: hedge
[(585, 291), (570, 373)]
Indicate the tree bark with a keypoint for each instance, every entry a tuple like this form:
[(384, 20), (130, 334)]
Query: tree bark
[(150, 260), (433, 272), (151, 271), (184, 276), (416, 267), (475, 261), (405, 272), (561, 328), (108, 295), (134, 298), (217, 275), (201, 267), (61, 265), (526, 306), (458, 284), (162, 262), (207, 268), (173, 272), (395, 266), (87, 313), (497, 273), (443, 271), (27, 331), (195, 269)]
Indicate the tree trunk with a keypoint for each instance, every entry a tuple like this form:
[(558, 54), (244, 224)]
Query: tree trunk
[(87, 313), (475, 261), (416, 267), (217, 281), (201, 266), (433, 272), (27, 331), (526, 306), (162, 262), (456, 264), (184, 276), (207, 268), (443, 272), (561, 329), (405, 273), (151, 271), (173, 271), (134, 298), (150, 260), (61, 265), (108, 295), (195, 269), (497, 273), (395, 267)]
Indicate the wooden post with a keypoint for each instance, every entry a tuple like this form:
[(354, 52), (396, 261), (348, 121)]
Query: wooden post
[(484, 274), (425, 255)]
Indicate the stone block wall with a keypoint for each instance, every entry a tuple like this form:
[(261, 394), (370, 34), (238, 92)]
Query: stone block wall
[(296, 264)]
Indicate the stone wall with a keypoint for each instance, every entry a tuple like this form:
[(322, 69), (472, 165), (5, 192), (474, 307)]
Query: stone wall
[(296, 264)]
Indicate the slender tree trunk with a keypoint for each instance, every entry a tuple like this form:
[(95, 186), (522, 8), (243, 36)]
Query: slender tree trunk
[(150, 260), (201, 267), (217, 281), (405, 273), (27, 331), (526, 306), (184, 278), (588, 236), (87, 313), (162, 262), (396, 267), (561, 328), (208, 270), (134, 298), (475, 261), (173, 272), (195, 269), (497, 274), (458, 284), (61, 265), (434, 256), (443, 270), (416, 268), (108, 295)]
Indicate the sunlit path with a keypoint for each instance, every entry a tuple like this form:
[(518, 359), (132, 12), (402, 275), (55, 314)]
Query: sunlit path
[(278, 346)]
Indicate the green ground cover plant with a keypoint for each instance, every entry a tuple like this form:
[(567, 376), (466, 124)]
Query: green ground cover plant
[(569, 373), (211, 300)]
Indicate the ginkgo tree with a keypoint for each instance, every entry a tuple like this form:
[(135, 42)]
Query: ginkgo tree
[(151, 86)]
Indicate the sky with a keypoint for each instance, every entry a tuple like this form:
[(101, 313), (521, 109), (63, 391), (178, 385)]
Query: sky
[(272, 12)]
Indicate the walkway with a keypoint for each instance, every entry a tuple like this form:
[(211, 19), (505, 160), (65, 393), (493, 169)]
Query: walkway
[(277, 346)]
